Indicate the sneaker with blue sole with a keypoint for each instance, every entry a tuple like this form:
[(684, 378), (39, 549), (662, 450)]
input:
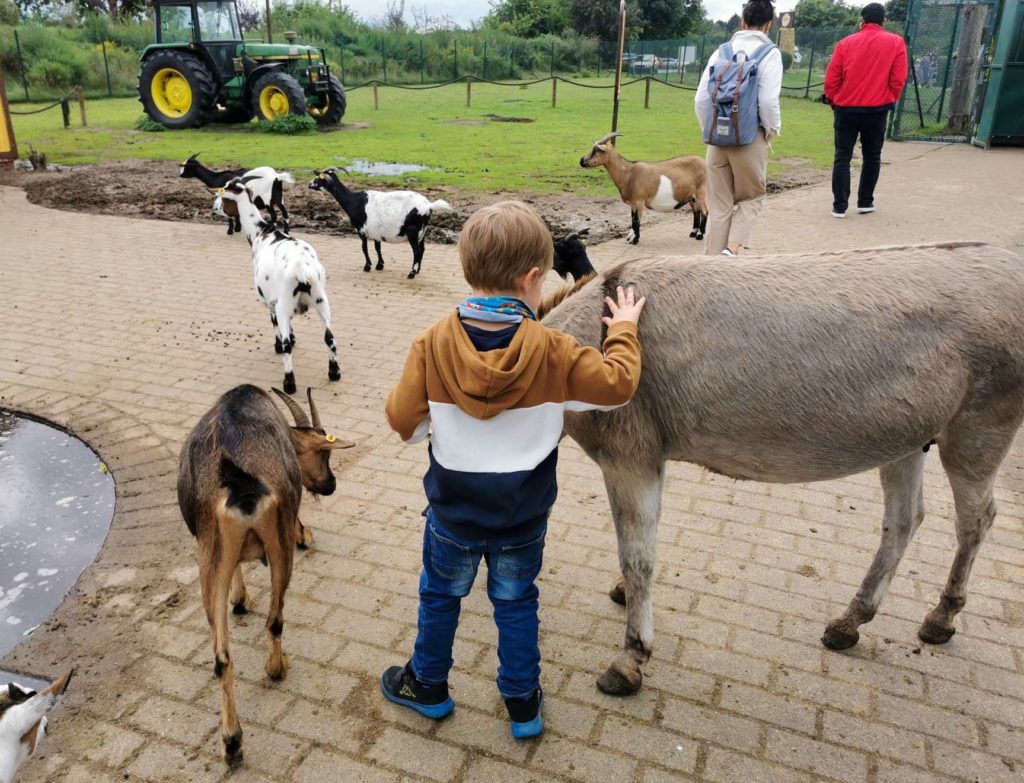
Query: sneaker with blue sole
[(399, 685), (527, 720)]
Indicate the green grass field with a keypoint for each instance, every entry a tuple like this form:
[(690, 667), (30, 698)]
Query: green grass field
[(429, 127)]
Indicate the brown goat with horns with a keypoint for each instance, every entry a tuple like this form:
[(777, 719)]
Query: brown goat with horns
[(240, 483), (664, 186)]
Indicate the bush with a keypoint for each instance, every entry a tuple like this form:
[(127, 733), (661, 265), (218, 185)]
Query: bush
[(290, 124), (144, 123), (787, 60)]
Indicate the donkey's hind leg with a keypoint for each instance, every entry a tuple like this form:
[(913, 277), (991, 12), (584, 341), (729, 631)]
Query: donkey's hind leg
[(902, 491), (971, 453), (635, 496)]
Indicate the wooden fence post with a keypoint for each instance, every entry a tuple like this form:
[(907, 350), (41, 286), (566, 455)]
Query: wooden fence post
[(647, 92), (469, 90), (554, 92), (80, 94), (376, 102)]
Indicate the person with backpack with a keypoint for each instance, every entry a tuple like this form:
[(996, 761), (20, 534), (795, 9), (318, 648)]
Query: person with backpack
[(737, 105), (863, 81)]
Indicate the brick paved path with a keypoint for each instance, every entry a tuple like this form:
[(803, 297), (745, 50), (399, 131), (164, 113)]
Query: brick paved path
[(126, 330)]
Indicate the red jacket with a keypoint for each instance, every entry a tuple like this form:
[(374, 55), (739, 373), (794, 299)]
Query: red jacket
[(868, 70)]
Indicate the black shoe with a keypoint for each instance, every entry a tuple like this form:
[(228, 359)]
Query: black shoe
[(526, 715), (399, 684)]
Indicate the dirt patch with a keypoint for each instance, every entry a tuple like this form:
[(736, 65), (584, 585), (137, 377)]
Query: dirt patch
[(499, 118), (152, 189)]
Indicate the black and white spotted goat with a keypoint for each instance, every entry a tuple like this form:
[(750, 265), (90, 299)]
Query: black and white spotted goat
[(267, 186), (288, 278), (392, 216)]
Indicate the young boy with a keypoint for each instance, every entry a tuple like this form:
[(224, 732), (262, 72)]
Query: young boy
[(491, 385)]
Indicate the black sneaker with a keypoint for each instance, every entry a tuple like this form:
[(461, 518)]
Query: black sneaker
[(399, 684), (526, 715)]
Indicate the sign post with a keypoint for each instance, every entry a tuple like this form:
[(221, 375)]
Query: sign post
[(618, 66), (8, 147)]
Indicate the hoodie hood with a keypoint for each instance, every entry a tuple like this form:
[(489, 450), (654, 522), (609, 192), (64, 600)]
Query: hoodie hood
[(485, 384)]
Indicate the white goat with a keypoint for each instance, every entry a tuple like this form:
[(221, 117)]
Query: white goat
[(267, 186), (393, 216), (23, 722), (288, 277), (797, 368), (664, 186)]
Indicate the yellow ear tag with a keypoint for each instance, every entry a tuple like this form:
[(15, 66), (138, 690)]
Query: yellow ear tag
[(329, 438), (220, 190), (322, 175)]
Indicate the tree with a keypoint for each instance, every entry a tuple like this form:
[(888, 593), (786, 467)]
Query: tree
[(117, 10), (9, 13), (250, 15), (644, 18), (896, 10), (817, 14), (733, 24), (528, 18)]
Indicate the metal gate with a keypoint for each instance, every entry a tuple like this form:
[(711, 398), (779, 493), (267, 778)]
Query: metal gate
[(947, 51)]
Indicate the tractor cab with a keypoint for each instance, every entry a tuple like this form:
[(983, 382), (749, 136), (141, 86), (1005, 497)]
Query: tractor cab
[(201, 69)]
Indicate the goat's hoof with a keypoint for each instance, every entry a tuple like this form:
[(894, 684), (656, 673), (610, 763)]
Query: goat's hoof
[(411, 275), (276, 670), (693, 234), (380, 267), (698, 235), (334, 374), (242, 607), (839, 636), (618, 594), (233, 748), (933, 633), (616, 682), (366, 268), (289, 385), (278, 348)]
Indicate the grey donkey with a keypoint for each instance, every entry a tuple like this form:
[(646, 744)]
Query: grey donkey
[(796, 368)]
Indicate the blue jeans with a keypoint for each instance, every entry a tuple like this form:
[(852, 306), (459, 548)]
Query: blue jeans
[(449, 568)]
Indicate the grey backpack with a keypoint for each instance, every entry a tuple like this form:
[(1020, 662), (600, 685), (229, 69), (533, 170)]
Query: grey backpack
[(732, 119)]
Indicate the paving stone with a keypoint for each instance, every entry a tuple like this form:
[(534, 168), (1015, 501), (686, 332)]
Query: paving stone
[(416, 754)]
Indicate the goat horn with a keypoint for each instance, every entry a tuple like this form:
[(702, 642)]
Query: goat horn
[(301, 420), (609, 137), (313, 412), (194, 156)]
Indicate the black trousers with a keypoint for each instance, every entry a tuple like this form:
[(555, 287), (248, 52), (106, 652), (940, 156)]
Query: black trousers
[(870, 126)]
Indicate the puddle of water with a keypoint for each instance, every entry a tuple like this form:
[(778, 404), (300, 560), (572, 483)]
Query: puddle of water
[(379, 169), (56, 504)]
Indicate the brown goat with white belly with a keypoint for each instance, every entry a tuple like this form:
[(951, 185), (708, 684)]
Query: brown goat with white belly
[(664, 186), (240, 483)]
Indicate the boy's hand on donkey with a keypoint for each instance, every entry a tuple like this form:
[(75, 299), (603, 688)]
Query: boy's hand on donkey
[(627, 308)]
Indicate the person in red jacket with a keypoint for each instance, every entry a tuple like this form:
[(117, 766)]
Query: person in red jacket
[(863, 82)]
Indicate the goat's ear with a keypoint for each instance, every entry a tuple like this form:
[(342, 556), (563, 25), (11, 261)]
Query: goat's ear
[(583, 232), (194, 156)]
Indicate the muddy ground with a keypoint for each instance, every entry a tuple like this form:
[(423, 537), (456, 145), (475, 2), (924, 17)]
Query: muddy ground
[(152, 189)]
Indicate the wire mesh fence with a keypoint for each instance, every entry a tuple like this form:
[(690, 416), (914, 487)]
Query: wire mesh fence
[(42, 66), (947, 43)]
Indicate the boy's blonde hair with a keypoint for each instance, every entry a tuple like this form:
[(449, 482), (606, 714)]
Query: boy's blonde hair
[(502, 242)]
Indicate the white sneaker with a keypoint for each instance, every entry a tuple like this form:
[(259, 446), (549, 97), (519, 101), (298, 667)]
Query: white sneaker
[(838, 214), (728, 252), (865, 210)]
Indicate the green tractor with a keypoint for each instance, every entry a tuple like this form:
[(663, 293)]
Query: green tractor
[(202, 70)]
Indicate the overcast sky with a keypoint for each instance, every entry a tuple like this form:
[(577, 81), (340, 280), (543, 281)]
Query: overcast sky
[(466, 11)]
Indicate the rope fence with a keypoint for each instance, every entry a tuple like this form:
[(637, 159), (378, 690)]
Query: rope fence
[(469, 79), (65, 107)]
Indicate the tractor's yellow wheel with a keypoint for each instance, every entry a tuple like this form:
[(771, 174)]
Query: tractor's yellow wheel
[(273, 101), (171, 92), (277, 94), (176, 89)]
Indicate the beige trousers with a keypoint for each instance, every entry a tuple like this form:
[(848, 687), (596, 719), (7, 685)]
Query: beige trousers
[(737, 192)]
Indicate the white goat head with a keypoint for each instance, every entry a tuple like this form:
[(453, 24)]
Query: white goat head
[(23, 722)]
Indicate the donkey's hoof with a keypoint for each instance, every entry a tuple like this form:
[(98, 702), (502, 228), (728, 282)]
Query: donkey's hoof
[(233, 748), (618, 594), (933, 633), (839, 636), (616, 682)]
